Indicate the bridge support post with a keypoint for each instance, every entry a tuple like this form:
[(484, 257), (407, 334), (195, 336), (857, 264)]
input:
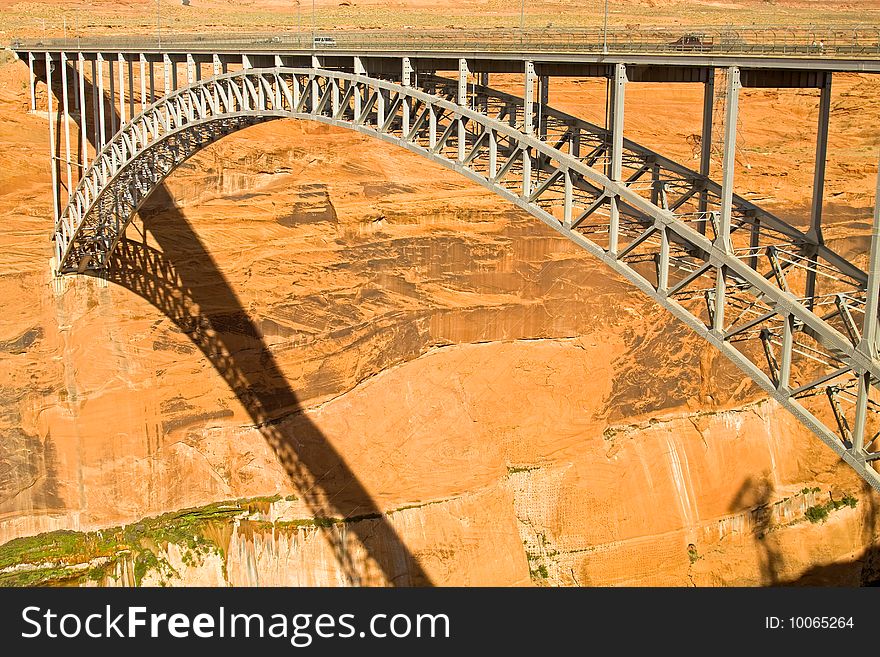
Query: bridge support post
[(545, 100), (174, 84), (786, 350), (53, 158), (529, 99), (65, 106), (406, 72), (143, 65), (122, 115), (463, 73), (32, 80), (167, 74), (663, 263), (190, 69), (868, 343), (574, 146), (706, 144), (99, 98), (617, 108), (359, 68), (815, 232), (73, 70), (722, 239), (152, 83), (131, 102), (111, 88), (81, 94)]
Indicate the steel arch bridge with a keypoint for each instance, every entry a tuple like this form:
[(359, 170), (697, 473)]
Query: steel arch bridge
[(796, 317)]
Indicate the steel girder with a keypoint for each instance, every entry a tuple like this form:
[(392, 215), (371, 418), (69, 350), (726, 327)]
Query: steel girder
[(742, 291)]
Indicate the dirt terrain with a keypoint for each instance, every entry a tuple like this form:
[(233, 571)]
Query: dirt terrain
[(84, 18), (504, 410)]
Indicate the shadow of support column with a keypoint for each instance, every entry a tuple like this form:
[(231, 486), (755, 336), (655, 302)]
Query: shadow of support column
[(756, 495)]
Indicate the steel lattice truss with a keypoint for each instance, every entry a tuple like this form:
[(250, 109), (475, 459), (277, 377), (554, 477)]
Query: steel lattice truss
[(782, 306)]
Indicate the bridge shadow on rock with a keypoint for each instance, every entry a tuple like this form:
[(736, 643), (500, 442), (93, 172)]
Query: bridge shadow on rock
[(756, 494), (181, 279), (862, 570)]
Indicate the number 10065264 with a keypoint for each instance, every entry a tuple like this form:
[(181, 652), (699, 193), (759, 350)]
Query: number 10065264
[(809, 623)]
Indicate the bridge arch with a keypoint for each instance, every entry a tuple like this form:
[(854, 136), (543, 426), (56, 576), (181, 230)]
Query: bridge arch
[(708, 276)]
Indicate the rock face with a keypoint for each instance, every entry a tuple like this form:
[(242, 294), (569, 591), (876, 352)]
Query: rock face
[(457, 393)]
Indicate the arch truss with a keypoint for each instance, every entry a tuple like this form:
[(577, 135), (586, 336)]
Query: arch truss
[(792, 314)]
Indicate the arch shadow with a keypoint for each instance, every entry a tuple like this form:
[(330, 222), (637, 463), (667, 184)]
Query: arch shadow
[(182, 280)]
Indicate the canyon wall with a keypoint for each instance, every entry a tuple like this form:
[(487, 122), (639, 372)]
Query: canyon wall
[(514, 412)]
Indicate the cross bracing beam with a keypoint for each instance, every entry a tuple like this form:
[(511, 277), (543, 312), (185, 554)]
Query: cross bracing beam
[(660, 247)]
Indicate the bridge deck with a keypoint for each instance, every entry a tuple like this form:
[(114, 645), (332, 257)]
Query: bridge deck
[(852, 50)]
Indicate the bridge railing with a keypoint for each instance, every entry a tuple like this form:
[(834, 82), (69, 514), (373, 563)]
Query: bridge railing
[(843, 41)]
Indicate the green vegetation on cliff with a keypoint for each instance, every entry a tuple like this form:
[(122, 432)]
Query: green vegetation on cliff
[(64, 557)]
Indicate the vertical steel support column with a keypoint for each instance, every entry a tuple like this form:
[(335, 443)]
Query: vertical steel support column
[(358, 70), (720, 293), (609, 93), (191, 69), (493, 155), (528, 126), (463, 101), (65, 106), (380, 108), (870, 329), (316, 95), (217, 68), (787, 345), (73, 69), (131, 101), (706, 144), (83, 129), (245, 65), (102, 132), (143, 62), (406, 80), (167, 74), (544, 87), (568, 199), (52, 158), (722, 240), (32, 82), (122, 116), (575, 144), (858, 432), (279, 83), (111, 78), (406, 72), (815, 232), (663, 263), (152, 83), (868, 344), (529, 99), (617, 108)]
